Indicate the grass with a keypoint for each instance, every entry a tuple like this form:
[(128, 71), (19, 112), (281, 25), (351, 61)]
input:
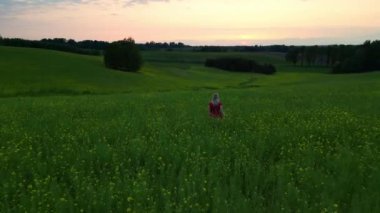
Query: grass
[(36, 72), (32, 72), (292, 142)]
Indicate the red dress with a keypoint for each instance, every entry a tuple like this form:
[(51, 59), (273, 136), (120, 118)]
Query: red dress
[(215, 110)]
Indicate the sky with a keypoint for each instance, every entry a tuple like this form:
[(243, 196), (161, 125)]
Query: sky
[(195, 22)]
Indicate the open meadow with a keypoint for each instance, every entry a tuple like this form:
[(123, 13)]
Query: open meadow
[(77, 137)]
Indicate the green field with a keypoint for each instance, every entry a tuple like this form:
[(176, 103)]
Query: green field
[(76, 136)]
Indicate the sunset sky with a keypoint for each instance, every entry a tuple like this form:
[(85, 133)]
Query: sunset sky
[(221, 22)]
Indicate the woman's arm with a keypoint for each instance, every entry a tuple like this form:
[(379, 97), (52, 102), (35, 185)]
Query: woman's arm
[(221, 111)]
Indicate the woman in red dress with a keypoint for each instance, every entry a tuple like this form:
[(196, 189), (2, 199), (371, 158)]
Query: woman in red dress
[(215, 107)]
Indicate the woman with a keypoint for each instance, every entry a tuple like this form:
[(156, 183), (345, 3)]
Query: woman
[(216, 107)]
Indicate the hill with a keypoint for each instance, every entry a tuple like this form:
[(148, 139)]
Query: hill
[(301, 140), (34, 72), (27, 71)]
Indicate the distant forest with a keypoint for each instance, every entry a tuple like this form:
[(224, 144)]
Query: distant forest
[(340, 58), (94, 47), (88, 47)]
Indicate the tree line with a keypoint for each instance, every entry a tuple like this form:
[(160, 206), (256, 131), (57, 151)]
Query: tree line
[(95, 47), (254, 48), (340, 58), (162, 45), (87, 47)]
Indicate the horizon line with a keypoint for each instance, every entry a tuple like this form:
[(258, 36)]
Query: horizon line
[(221, 43)]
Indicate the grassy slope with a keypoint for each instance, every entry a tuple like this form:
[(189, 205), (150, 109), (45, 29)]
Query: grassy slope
[(33, 71), (26, 71), (286, 148), (302, 141)]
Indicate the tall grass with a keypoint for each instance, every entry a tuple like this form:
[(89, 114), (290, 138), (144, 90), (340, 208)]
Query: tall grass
[(298, 141), (279, 149)]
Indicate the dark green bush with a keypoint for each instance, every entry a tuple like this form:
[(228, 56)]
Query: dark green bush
[(123, 55), (240, 65)]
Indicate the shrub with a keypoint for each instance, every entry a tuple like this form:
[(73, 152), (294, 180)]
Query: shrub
[(123, 55), (240, 65)]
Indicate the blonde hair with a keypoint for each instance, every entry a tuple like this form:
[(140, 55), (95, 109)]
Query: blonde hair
[(215, 98)]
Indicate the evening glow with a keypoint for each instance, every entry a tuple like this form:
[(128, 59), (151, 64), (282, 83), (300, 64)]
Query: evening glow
[(222, 22)]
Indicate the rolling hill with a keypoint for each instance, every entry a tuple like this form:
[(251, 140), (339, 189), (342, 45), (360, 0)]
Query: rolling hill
[(97, 140), (27, 71), (33, 72)]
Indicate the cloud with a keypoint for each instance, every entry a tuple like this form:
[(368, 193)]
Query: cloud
[(135, 2), (12, 7), (26, 3)]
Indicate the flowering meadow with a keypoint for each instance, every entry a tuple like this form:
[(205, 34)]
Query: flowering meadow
[(77, 137), (290, 148)]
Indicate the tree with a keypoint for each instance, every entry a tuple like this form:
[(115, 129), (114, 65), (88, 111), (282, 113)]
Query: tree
[(292, 55), (361, 59), (71, 42), (123, 55), (310, 55)]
